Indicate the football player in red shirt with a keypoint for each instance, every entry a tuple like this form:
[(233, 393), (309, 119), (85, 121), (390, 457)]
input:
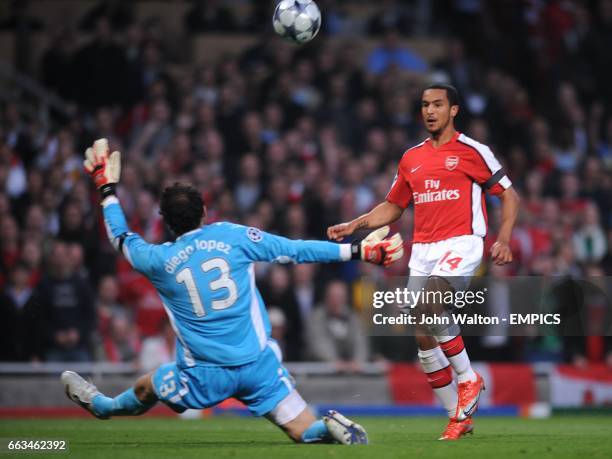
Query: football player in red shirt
[(446, 177)]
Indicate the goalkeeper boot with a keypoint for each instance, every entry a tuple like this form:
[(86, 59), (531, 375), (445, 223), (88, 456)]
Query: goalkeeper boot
[(343, 430), (456, 429), (469, 396), (80, 391)]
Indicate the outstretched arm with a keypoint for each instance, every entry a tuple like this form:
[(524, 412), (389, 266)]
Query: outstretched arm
[(376, 248), (105, 170), (383, 214)]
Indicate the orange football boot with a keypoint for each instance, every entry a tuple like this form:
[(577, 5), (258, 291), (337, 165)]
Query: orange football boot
[(469, 395), (457, 429)]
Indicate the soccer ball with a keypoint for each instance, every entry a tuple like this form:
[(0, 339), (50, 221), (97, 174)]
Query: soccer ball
[(298, 21)]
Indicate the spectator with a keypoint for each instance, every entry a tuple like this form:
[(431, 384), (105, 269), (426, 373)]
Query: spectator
[(108, 304), (146, 220), (16, 175), (96, 86), (73, 228), (566, 154), (295, 222), (248, 188), (335, 333), (156, 133), (278, 294), (57, 66), (122, 343), (458, 68), (16, 317), (31, 195), (9, 244), (18, 135), (391, 55), (305, 289), (34, 225), (31, 257), (64, 310), (590, 240)]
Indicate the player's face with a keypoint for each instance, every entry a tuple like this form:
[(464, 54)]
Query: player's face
[(436, 111)]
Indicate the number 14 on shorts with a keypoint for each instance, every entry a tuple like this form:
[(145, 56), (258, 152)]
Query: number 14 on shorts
[(449, 262)]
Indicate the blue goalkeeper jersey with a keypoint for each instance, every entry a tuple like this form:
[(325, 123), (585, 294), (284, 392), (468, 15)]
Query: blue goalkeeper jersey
[(207, 284)]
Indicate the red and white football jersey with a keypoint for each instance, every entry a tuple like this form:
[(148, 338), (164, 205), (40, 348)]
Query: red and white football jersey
[(446, 185)]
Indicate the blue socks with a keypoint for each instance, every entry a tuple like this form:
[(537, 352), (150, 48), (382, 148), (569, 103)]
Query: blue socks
[(317, 432), (124, 404)]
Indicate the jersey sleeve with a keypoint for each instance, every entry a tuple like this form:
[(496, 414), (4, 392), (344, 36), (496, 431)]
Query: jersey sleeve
[(261, 246), (400, 193), (484, 168), (139, 253)]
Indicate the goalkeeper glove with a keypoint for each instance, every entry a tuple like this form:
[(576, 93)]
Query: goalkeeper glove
[(104, 169), (378, 250)]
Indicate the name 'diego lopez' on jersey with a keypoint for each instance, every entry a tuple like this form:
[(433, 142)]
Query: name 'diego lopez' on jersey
[(183, 255)]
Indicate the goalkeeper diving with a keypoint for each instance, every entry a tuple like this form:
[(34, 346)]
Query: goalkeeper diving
[(207, 285)]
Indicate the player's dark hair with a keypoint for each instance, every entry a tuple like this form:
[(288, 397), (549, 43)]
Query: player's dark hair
[(451, 92), (182, 208)]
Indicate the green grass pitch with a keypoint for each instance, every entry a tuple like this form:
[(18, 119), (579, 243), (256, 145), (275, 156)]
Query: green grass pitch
[(585, 437)]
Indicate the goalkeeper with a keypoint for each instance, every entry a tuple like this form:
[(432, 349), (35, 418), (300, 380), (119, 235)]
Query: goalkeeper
[(206, 282)]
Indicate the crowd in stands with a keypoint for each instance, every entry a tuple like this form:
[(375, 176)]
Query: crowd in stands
[(291, 140)]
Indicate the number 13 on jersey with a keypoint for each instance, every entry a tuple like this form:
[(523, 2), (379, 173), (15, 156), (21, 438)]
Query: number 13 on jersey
[(224, 281)]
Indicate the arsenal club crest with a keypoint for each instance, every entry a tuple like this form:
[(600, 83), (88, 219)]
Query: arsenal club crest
[(451, 162)]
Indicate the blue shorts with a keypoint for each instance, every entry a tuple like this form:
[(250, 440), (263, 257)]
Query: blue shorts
[(260, 385)]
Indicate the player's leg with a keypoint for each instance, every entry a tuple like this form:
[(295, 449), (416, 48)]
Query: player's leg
[(267, 388), (434, 363), (449, 338), (136, 400), (306, 428), (439, 373), (459, 260)]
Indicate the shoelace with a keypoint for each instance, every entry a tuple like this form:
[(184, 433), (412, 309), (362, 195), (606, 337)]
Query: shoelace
[(463, 393)]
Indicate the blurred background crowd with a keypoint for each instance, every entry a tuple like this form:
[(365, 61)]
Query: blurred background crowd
[(291, 140)]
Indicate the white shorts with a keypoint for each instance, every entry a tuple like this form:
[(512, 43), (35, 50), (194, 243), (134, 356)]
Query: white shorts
[(457, 257)]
